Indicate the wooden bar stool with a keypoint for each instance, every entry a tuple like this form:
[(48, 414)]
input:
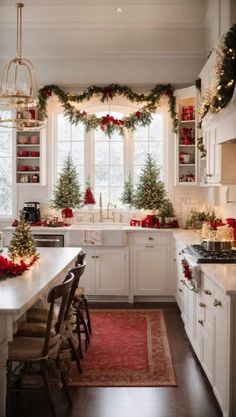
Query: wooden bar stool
[(26, 353), (35, 325)]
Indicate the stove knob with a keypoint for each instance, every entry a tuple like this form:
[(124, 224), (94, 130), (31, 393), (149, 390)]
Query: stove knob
[(207, 292)]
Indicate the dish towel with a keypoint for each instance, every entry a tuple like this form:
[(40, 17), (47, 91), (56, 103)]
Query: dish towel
[(93, 237)]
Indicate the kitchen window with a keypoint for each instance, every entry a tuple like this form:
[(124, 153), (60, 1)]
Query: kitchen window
[(109, 161)]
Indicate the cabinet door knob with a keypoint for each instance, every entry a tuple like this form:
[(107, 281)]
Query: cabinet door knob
[(180, 289), (202, 305), (200, 322), (209, 175), (207, 292), (217, 303), (151, 238)]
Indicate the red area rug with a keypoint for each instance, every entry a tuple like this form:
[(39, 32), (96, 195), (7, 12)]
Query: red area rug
[(128, 348)]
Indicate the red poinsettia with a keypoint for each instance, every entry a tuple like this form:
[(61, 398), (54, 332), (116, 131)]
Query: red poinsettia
[(11, 269)]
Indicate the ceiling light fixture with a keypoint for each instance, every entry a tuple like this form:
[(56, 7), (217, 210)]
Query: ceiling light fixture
[(18, 89), (118, 10)]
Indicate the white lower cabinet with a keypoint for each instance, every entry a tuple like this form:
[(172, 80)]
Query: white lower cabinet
[(149, 264), (105, 272), (206, 317)]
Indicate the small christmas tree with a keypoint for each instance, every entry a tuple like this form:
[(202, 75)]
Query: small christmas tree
[(150, 191), (67, 192), (128, 191), (166, 209), (88, 195), (22, 245)]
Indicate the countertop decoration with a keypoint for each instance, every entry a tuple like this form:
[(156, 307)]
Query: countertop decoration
[(10, 269), (89, 199), (143, 117), (22, 246), (67, 194)]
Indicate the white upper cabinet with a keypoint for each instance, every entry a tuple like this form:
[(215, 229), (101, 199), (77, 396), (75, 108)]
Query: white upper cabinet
[(186, 137)]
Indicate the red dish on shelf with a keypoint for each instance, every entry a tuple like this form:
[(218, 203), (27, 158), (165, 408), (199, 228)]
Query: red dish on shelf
[(23, 168), (35, 154), (23, 153)]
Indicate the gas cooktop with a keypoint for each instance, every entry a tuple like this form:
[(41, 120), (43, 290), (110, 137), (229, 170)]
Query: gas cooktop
[(201, 255)]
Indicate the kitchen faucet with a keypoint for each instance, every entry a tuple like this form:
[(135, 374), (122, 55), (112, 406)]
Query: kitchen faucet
[(100, 208), (108, 211)]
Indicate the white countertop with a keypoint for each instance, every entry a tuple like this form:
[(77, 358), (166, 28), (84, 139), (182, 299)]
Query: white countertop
[(224, 275), (16, 294)]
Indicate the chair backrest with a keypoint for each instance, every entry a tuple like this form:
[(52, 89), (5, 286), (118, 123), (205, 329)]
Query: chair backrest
[(77, 271), (59, 292), (81, 257)]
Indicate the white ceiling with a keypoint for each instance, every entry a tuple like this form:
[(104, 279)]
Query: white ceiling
[(83, 42)]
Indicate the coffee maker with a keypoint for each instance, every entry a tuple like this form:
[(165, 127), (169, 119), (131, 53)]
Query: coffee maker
[(31, 212)]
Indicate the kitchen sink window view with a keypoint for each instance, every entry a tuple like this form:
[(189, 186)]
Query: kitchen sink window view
[(109, 161)]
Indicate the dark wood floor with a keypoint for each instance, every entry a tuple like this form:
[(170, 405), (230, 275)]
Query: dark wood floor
[(192, 398)]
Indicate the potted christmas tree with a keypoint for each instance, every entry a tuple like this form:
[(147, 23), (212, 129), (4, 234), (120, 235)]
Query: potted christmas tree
[(150, 191), (22, 245), (67, 194), (166, 211), (128, 191), (89, 200)]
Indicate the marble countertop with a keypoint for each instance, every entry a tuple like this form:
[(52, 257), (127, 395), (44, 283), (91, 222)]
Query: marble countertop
[(224, 275), (19, 293)]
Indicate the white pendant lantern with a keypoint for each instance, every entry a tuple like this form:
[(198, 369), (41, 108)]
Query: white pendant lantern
[(18, 89)]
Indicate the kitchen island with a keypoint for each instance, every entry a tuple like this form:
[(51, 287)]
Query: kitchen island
[(20, 293)]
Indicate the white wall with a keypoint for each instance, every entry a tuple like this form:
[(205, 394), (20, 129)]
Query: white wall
[(220, 16)]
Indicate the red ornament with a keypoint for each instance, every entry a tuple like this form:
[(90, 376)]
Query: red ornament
[(138, 114), (88, 196)]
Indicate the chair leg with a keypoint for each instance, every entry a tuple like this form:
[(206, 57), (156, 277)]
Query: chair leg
[(47, 386), (87, 314), (75, 355), (65, 387), (79, 335), (84, 324)]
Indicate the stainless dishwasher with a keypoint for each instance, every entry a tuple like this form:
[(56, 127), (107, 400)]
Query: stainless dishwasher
[(49, 240)]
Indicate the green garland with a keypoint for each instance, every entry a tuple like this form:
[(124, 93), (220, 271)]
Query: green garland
[(227, 79), (109, 124)]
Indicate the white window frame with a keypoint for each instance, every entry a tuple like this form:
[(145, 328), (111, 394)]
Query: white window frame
[(89, 148)]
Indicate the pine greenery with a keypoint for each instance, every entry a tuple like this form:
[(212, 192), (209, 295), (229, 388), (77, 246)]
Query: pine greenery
[(128, 191), (22, 244), (150, 191), (166, 209), (67, 192)]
